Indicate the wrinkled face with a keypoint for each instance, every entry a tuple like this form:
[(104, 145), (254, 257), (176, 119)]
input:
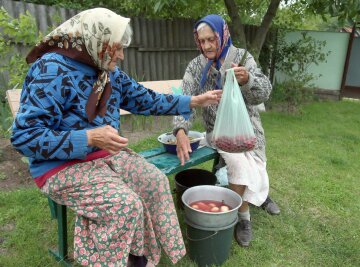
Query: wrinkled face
[(118, 55), (208, 42)]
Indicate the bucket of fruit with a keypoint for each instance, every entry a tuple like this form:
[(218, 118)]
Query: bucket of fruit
[(211, 206)]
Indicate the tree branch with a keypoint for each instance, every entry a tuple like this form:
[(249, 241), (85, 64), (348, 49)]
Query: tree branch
[(236, 26), (260, 36)]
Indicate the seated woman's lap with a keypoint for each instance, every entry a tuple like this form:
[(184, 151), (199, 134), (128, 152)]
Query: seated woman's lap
[(123, 179), (117, 198)]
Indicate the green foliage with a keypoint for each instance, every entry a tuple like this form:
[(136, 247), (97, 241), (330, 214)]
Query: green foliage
[(13, 32), (289, 95), (22, 30), (3, 85), (2, 176), (293, 61), (300, 16), (292, 16), (344, 10), (251, 12), (177, 8), (5, 120)]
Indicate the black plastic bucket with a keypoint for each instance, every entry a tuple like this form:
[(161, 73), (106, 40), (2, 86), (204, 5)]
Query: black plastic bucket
[(189, 178)]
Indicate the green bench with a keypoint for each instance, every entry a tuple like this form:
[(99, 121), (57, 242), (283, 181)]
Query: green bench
[(166, 162)]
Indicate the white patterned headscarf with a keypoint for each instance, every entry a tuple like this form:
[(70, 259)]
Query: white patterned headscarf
[(91, 37)]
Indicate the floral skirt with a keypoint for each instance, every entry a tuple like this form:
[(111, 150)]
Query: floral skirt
[(123, 205)]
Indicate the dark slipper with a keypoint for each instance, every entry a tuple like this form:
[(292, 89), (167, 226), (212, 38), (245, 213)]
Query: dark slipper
[(136, 261)]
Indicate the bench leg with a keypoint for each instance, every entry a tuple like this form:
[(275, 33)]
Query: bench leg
[(216, 162), (53, 208), (60, 214)]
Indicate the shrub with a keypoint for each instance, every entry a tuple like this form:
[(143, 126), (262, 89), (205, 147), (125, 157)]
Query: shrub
[(13, 32), (293, 61)]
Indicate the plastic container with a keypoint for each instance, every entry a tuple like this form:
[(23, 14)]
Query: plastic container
[(209, 246), (190, 178)]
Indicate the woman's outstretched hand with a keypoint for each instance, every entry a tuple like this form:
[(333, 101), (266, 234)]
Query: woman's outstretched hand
[(106, 138), (209, 98)]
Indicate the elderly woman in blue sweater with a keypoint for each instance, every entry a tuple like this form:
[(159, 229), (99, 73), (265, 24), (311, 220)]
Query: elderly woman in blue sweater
[(68, 125)]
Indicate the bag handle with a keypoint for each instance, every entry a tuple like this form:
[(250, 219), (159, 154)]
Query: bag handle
[(200, 239), (241, 64), (233, 81)]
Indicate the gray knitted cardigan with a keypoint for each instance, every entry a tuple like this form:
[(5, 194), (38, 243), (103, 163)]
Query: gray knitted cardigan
[(255, 92)]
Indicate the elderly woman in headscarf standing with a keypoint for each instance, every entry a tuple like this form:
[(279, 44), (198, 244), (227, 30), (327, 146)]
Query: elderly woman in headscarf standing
[(68, 125), (247, 173)]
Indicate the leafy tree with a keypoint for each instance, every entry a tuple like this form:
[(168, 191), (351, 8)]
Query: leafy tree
[(238, 12), (348, 10), (288, 14), (283, 13)]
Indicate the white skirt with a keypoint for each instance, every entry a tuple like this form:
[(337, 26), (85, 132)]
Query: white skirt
[(249, 170)]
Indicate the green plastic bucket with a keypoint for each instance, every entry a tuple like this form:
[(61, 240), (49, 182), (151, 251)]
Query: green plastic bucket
[(209, 246)]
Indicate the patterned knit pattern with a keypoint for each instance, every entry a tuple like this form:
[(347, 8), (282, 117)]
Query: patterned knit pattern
[(50, 127), (255, 92)]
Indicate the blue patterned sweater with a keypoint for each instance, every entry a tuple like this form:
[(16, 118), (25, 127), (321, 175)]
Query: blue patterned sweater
[(50, 127)]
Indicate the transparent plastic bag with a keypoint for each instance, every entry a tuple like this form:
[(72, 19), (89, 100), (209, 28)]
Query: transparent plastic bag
[(233, 131)]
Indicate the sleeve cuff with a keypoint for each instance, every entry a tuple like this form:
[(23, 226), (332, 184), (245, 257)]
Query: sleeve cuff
[(184, 106), (80, 143), (249, 84)]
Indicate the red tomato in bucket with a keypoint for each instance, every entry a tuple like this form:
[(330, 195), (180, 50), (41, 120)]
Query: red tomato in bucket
[(210, 206)]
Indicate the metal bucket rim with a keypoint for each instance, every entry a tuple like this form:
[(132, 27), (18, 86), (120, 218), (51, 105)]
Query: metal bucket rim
[(188, 191), (214, 229)]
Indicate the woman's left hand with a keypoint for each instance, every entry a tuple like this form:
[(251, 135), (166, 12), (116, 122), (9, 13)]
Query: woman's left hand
[(209, 98), (241, 74)]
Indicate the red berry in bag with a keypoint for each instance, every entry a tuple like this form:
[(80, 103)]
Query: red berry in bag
[(236, 144)]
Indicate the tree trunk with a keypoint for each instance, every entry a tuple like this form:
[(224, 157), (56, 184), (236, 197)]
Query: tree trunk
[(238, 32), (260, 36)]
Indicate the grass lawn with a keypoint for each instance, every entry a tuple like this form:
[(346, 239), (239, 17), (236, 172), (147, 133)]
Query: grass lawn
[(313, 164)]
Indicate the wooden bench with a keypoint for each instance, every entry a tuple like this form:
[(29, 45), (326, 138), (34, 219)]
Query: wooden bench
[(166, 162)]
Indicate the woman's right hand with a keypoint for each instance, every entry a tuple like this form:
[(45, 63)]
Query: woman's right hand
[(106, 138), (183, 147), (206, 99)]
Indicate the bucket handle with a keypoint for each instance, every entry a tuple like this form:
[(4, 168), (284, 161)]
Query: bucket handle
[(201, 239)]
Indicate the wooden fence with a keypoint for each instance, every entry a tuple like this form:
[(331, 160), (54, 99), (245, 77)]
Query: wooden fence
[(160, 50)]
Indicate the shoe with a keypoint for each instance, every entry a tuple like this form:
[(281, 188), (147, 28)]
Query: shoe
[(243, 233), (136, 261), (270, 206)]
